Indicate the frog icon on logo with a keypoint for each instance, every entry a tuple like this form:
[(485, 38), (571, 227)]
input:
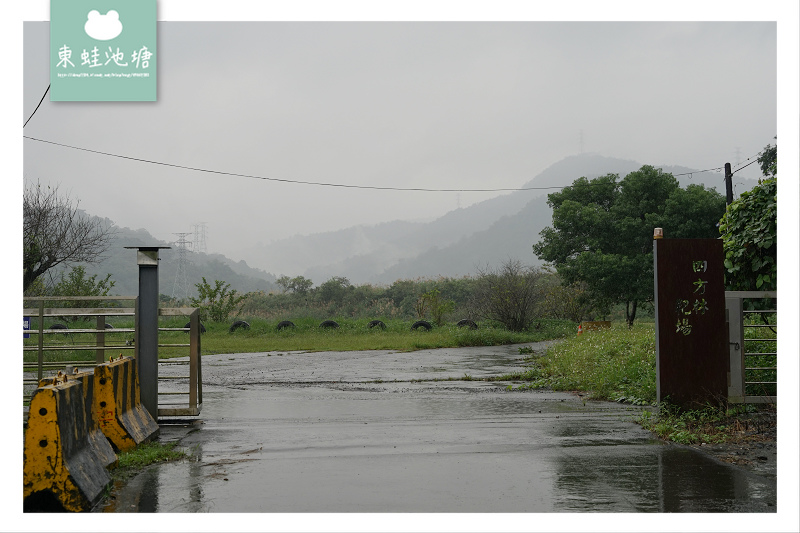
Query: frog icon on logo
[(103, 27)]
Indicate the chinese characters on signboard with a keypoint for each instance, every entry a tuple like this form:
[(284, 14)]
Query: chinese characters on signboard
[(691, 335), (696, 304)]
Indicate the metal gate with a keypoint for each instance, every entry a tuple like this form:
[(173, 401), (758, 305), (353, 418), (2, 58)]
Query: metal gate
[(59, 348), (753, 347)]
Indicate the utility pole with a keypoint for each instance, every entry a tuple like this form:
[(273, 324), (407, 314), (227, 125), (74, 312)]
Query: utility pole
[(728, 184)]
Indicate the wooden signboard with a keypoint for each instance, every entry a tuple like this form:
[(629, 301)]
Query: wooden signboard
[(692, 360)]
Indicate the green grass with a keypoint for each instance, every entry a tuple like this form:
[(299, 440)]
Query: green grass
[(145, 455), (616, 364), (760, 368), (353, 334), (709, 425)]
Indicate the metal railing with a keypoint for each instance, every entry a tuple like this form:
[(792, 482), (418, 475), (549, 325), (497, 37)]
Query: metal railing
[(195, 378), (741, 348), (43, 366)]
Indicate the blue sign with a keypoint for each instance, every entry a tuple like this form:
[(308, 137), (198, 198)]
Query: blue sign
[(26, 324)]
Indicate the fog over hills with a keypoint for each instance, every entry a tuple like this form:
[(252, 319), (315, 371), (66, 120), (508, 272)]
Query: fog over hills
[(456, 244)]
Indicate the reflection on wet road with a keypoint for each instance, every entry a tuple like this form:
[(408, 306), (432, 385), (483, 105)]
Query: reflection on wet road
[(370, 432)]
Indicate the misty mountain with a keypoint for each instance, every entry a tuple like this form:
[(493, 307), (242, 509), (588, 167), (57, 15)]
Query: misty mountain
[(456, 244), (121, 264)]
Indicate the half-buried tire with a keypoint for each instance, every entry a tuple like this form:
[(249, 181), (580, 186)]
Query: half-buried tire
[(422, 324), (376, 324), (466, 323), (284, 324), (329, 324), (239, 324)]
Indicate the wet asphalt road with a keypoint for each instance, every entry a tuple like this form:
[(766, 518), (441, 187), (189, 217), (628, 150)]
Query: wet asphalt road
[(375, 432)]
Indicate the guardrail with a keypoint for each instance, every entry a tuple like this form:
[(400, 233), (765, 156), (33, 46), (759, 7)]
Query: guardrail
[(750, 371), (44, 366)]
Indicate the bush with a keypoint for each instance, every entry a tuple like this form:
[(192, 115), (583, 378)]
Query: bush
[(511, 295), (216, 303)]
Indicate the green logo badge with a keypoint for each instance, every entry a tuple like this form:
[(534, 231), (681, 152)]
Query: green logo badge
[(103, 50)]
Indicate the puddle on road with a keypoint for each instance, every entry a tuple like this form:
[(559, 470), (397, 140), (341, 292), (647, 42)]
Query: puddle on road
[(422, 447), (666, 479), (455, 451), (672, 480)]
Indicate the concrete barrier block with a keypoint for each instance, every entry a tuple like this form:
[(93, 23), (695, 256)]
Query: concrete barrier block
[(121, 415), (99, 440), (63, 455)]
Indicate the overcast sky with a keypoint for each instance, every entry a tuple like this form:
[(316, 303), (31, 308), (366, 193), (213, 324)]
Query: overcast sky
[(464, 105)]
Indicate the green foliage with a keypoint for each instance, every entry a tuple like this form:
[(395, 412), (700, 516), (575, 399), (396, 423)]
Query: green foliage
[(145, 455), (334, 290), (707, 425), (77, 283), (217, 302), (615, 364), (298, 285), (569, 302), (432, 302), (603, 228), (749, 232)]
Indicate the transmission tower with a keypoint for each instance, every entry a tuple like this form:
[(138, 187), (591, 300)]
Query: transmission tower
[(200, 231), (181, 286)]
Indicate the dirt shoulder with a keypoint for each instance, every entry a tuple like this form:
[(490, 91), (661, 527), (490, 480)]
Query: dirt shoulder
[(752, 442)]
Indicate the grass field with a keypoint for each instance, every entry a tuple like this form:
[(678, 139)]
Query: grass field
[(307, 335)]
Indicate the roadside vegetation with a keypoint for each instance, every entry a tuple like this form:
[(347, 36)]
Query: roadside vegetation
[(144, 455), (615, 364), (619, 364)]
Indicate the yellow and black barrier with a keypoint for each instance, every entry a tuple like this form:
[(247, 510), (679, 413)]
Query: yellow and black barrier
[(99, 440), (64, 455), (121, 415)]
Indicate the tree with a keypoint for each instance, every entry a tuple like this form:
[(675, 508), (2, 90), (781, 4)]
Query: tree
[(217, 302), (76, 283), (510, 294), (749, 232), (602, 232), (55, 231), (298, 285), (334, 290), (433, 303)]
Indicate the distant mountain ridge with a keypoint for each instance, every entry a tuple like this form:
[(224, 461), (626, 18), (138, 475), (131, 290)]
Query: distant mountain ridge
[(453, 245), (120, 262)]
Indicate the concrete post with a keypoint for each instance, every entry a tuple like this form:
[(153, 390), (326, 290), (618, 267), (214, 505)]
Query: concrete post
[(147, 342)]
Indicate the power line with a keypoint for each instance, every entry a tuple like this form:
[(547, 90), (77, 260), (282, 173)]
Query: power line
[(747, 165), (325, 184), (37, 106), (284, 180), (750, 163)]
